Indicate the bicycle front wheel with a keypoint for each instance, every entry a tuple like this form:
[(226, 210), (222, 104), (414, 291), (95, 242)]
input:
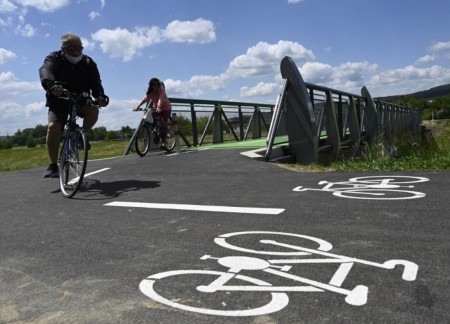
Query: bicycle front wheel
[(72, 162), (271, 243), (390, 179), (169, 144), (142, 143), (379, 194)]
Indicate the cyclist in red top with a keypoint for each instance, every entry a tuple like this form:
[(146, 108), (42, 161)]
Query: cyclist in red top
[(156, 94)]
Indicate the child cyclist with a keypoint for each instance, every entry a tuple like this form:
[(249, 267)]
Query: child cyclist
[(160, 104)]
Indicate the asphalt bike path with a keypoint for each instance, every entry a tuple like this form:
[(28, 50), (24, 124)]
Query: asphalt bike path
[(212, 236)]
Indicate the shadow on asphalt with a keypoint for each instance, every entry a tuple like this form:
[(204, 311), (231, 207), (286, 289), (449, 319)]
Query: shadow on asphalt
[(106, 190)]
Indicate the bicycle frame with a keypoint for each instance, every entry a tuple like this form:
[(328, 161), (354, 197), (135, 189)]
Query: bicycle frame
[(72, 165), (151, 139), (357, 296), (153, 119)]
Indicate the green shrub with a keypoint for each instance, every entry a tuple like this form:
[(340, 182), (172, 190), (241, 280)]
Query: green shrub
[(31, 143), (6, 144)]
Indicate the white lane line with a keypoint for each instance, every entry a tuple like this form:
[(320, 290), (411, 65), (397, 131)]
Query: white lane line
[(223, 209), (94, 172), (75, 180)]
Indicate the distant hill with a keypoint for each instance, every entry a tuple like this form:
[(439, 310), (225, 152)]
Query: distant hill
[(440, 91)]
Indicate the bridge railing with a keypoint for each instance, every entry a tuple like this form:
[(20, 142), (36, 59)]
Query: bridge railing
[(226, 121), (307, 119), (311, 119)]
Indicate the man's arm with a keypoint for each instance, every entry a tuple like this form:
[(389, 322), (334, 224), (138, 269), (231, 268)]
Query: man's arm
[(46, 72)]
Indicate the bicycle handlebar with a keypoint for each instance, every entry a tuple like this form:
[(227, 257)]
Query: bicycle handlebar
[(84, 96), (144, 109)]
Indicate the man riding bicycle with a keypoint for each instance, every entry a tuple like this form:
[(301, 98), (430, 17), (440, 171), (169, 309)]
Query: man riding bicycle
[(80, 74), (156, 94)]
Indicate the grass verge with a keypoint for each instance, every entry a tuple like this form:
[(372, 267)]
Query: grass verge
[(22, 158), (411, 155)]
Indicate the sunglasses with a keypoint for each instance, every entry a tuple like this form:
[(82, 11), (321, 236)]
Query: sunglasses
[(73, 47), (155, 84)]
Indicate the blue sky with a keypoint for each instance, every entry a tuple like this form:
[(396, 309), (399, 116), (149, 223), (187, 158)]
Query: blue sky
[(224, 50)]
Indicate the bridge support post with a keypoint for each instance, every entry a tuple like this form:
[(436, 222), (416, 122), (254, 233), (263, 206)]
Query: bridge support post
[(300, 119)]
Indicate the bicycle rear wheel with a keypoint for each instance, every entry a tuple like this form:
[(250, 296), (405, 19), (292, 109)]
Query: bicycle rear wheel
[(72, 162), (180, 289), (169, 144), (142, 142)]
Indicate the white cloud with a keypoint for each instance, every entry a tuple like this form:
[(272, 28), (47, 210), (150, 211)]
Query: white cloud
[(195, 87), (93, 15), (356, 71), (25, 30), (7, 22), (440, 46), (7, 6), (408, 79), (44, 5), (11, 87), (16, 110), (294, 1), (125, 44), (121, 43), (198, 31), (315, 72), (87, 44), (426, 59), (21, 116), (261, 89), (264, 59), (6, 55), (439, 50), (412, 73), (35, 108), (261, 60), (12, 112), (350, 74)]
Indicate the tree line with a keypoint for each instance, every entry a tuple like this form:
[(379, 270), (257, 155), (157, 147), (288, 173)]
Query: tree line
[(33, 137), (436, 108)]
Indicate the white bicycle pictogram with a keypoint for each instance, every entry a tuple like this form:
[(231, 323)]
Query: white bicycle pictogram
[(231, 281), (373, 187)]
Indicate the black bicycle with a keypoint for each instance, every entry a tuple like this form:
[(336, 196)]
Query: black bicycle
[(73, 156), (148, 133)]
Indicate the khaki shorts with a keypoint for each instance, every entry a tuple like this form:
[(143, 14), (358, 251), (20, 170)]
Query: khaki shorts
[(60, 114)]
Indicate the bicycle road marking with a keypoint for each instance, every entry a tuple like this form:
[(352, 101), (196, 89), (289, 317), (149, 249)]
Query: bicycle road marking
[(225, 281), (209, 208), (391, 187)]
